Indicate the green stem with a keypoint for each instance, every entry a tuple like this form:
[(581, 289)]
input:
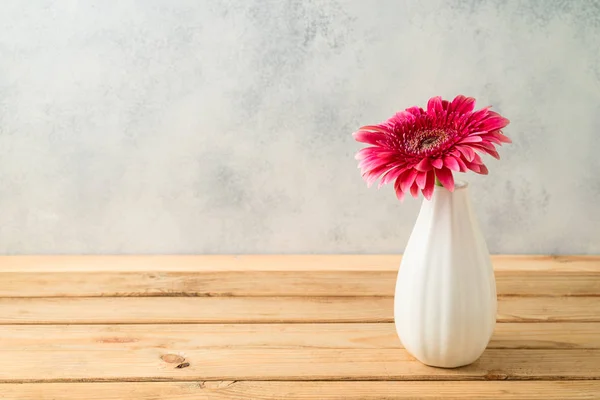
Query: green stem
[(437, 182)]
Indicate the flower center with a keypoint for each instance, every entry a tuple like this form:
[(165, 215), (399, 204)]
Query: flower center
[(423, 141)]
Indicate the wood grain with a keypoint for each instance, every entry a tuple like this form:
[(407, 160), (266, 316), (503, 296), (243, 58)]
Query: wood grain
[(153, 310), (282, 263), (539, 283), (184, 337), (269, 275), (244, 390), (263, 283), (186, 283), (147, 310), (549, 309), (155, 364), (558, 335)]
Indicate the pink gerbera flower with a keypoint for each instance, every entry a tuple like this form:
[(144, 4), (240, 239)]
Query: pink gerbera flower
[(417, 148)]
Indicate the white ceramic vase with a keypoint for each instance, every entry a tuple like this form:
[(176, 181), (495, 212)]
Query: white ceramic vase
[(445, 302)]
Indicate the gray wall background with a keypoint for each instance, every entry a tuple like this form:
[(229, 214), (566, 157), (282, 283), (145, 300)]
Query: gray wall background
[(225, 126)]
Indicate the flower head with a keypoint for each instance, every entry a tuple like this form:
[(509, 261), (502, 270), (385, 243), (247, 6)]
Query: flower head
[(416, 147)]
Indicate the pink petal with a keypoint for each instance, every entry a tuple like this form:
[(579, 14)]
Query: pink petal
[(496, 138), (423, 165), (474, 167), (367, 151), (494, 123), (461, 121), (368, 137), (399, 193), (370, 178), (381, 152), (462, 104), (370, 164), (501, 137), (491, 139), (462, 165), (400, 196), (494, 154), (434, 106), (408, 179), (491, 152), (485, 144), (403, 116), (416, 111), (390, 175), (421, 179), (477, 117), (483, 170), (367, 165), (451, 163), (467, 152), (471, 139), (429, 185), (437, 163), (371, 175), (374, 166), (445, 177), (374, 128), (454, 152), (414, 190)]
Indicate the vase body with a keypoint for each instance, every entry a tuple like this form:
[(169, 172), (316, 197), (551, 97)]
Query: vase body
[(445, 301)]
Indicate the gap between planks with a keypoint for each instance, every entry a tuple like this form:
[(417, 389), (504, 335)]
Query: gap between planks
[(170, 310)]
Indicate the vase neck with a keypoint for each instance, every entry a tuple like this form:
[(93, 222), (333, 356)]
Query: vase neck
[(444, 202)]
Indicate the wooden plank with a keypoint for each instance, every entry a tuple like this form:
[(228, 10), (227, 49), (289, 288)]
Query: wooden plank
[(186, 283), (153, 310), (542, 283), (249, 390), (264, 283), (200, 263), (549, 309), (148, 310), (559, 335), (184, 337), (155, 364), (282, 263), (333, 275)]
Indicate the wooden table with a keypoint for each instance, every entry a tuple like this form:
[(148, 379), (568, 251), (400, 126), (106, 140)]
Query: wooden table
[(279, 327)]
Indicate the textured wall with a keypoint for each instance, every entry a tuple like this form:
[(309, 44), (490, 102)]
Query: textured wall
[(225, 126)]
